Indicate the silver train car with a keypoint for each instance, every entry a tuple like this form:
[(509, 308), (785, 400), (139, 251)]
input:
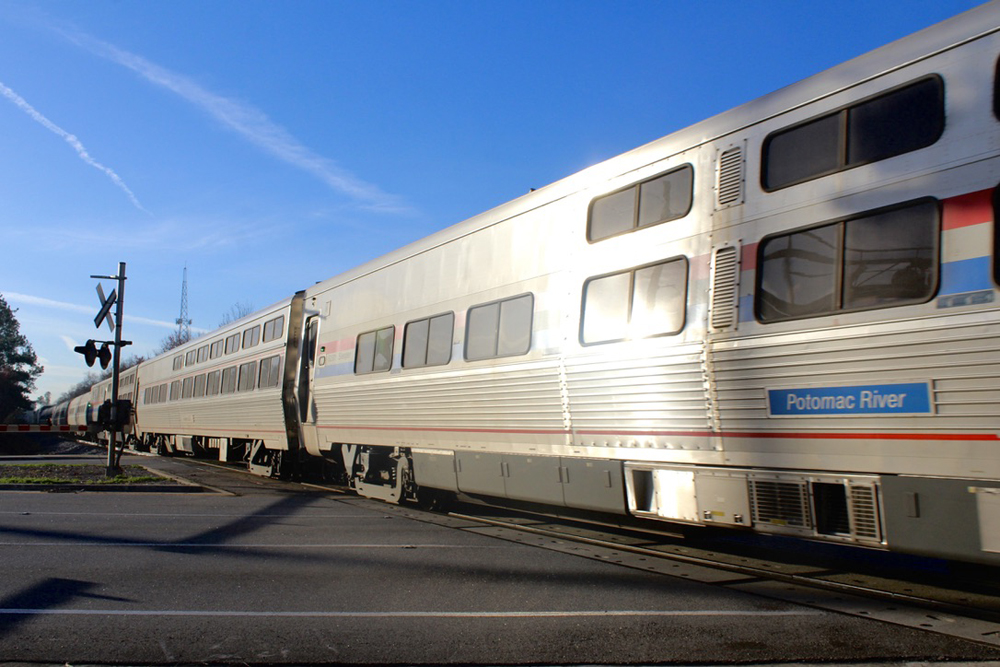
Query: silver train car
[(783, 319)]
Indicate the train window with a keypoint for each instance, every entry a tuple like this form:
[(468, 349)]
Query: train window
[(612, 215), (187, 388), (203, 353), (996, 91), (248, 376), (228, 380), (175, 390), (639, 303), (903, 121), (273, 329), (802, 153), (163, 393), (890, 124), (374, 351), (499, 329), (189, 359), (216, 350), (232, 343), (270, 370), (178, 362), (251, 337), (887, 257), (996, 235), (428, 342), (213, 383), (199, 386), (650, 202)]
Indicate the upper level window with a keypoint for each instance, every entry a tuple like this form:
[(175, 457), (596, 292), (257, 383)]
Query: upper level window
[(189, 358), (887, 257), (655, 200), (427, 342), (273, 329), (178, 362), (251, 337), (216, 349), (642, 302), (499, 329), (202, 353), (374, 351), (232, 343), (893, 123)]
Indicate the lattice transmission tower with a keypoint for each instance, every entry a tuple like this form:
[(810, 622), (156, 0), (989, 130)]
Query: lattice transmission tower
[(184, 322)]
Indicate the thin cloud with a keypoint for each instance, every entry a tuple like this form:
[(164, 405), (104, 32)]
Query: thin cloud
[(91, 310), (188, 234), (250, 123), (71, 139)]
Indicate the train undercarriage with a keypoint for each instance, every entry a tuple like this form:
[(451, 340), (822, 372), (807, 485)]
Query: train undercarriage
[(886, 512)]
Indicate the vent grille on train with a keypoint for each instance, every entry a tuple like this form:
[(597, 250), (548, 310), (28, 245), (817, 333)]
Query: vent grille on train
[(730, 184), (864, 513), (725, 274), (780, 503)]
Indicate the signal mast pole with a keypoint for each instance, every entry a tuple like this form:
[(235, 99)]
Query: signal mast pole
[(116, 368)]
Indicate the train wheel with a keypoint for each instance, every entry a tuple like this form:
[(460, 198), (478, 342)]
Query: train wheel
[(434, 500)]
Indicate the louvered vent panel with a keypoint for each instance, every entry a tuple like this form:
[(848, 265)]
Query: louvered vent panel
[(864, 513), (724, 284), (781, 503), (730, 183)]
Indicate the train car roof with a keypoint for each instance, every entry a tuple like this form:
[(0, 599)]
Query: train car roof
[(968, 26)]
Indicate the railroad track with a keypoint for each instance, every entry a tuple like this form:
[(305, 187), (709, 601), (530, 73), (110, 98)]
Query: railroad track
[(942, 603), (938, 602)]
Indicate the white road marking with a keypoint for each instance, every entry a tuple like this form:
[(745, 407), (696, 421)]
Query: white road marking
[(407, 614), (295, 515), (238, 545)]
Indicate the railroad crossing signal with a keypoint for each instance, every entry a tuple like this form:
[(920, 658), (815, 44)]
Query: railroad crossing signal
[(105, 312), (91, 353), (117, 410)]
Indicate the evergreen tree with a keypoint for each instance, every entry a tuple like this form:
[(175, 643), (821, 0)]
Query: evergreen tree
[(18, 366)]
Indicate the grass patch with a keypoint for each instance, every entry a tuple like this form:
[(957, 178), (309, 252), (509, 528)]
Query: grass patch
[(79, 473)]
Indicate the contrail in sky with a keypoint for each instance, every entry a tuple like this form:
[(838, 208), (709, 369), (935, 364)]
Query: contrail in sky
[(62, 305), (71, 140), (249, 122)]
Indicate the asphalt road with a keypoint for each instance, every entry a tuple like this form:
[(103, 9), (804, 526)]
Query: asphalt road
[(277, 573)]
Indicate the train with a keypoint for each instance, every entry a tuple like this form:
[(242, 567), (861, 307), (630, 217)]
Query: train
[(781, 320)]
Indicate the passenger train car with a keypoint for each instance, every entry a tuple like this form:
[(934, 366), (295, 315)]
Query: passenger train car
[(783, 319)]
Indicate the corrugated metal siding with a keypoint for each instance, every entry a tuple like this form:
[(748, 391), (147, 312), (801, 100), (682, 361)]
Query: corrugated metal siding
[(962, 361), (665, 391), (523, 397)]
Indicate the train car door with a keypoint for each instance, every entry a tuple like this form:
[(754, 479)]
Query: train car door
[(307, 370)]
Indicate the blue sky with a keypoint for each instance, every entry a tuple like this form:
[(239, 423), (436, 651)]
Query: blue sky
[(269, 145)]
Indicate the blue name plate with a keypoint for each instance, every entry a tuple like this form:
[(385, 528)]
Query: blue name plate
[(911, 398)]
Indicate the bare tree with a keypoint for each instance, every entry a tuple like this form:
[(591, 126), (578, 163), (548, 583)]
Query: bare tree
[(175, 339), (81, 387), (93, 377), (237, 311)]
